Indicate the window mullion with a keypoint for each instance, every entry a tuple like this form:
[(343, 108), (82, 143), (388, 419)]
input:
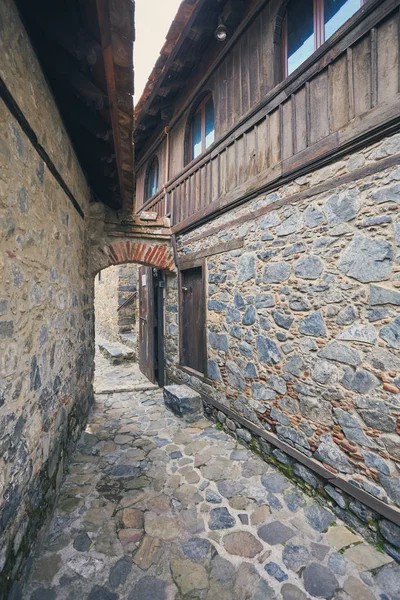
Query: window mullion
[(203, 127), (284, 45), (319, 23)]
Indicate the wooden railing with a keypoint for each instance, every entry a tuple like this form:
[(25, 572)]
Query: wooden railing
[(345, 95)]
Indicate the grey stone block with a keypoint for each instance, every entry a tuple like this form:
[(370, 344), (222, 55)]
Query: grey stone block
[(183, 401), (116, 352), (367, 259)]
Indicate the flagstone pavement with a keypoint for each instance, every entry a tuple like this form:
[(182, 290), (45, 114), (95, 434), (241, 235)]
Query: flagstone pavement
[(154, 508)]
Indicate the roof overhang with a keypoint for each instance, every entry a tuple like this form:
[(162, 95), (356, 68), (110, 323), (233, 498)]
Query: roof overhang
[(86, 52), (189, 42)]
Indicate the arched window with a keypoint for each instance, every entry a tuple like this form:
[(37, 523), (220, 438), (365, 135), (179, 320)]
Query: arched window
[(152, 178), (308, 24), (202, 129)]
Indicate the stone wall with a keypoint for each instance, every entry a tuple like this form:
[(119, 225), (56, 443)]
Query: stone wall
[(113, 288), (303, 321), (127, 285), (46, 299), (106, 304)]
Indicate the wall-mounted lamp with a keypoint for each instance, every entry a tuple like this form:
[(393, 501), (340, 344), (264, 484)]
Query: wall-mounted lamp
[(221, 33)]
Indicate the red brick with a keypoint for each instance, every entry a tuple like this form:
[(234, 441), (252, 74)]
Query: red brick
[(114, 255), (391, 388)]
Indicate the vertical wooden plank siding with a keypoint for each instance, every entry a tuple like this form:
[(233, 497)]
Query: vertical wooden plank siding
[(240, 159), (261, 158), (287, 137), (231, 167), (230, 90), (197, 177), (254, 64), (238, 65), (222, 173), (215, 170), (301, 119), (319, 124), (274, 138), (350, 82), (265, 55), (362, 75), (374, 67), (338, 93), (221, 107), (250, 162), (388, 54), (203, 187), (244, 78)]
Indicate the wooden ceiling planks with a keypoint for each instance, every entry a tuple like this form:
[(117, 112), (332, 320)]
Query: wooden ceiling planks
[(86, 51)]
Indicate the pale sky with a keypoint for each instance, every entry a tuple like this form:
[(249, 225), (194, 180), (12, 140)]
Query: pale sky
[(153, 19)]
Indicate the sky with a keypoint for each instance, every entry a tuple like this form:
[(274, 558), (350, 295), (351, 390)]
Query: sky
[(153, 19)]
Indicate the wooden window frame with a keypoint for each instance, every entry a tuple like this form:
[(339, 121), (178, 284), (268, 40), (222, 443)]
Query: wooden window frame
[(192, 264), (152, 161), (201, 107), (319, 31)]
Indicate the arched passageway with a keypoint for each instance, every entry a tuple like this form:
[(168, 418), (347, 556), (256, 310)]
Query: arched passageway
[(148, 252), (148, 245)]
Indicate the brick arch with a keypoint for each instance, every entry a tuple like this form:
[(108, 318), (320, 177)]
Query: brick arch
[(152, 253), (146, 253)]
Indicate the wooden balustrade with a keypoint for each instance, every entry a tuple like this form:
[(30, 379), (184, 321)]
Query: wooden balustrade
[(345, 96)]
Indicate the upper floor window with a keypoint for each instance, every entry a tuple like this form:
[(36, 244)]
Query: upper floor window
[(152, 178), (202, 132), (309, 23)]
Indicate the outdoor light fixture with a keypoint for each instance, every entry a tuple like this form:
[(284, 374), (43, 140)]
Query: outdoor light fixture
[(221, 33)]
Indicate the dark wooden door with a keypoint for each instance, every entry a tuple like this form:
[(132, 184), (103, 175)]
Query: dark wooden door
[(158, 285), (193, 342), (146, 323)]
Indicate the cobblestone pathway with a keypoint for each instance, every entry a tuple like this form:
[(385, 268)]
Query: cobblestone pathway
[(153, 508)]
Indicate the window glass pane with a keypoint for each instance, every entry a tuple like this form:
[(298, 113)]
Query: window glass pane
[(210, 133), (196, 135), (153, 179), (300, 32), (337, 12)]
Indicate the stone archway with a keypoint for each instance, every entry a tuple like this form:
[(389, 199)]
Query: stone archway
[(142, 251), (116, 242)]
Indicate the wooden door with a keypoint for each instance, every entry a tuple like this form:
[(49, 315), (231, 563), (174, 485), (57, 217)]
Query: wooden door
[(146, 322), (193, 338), (159, 285)]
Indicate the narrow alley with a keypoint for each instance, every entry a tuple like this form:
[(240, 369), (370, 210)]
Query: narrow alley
[(153, 507)]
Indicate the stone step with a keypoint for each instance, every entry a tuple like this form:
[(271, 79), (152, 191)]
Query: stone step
[(130, 340), (116, 352), (183, 401), (115, 389)]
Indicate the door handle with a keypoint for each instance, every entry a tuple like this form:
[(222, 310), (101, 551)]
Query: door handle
[(143, 319)]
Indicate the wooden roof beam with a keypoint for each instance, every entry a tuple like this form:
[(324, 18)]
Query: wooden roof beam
[(78, 112), (147, 124), (65, 70), (103, 13), (64, 29)]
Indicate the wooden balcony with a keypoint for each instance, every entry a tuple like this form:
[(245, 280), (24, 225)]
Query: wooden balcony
[(345, 96)]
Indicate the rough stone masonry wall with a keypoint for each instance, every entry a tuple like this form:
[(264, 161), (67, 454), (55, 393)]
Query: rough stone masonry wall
[(114, 287), (303, 322), (106, 304), (127, 285), (46, 322)]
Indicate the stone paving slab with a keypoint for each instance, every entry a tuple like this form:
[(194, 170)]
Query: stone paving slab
[(116, 352), (154, 508), (126, 378)]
